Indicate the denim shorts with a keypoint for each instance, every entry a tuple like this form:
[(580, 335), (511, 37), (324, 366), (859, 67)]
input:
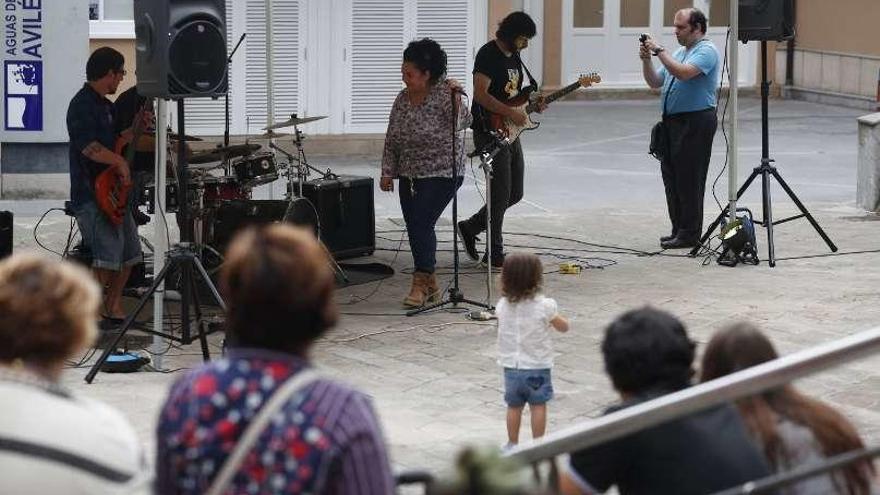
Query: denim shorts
[(531, 387), (112, 246)]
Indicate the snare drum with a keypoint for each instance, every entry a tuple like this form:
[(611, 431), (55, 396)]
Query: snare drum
[(256, 169), (217, 189)]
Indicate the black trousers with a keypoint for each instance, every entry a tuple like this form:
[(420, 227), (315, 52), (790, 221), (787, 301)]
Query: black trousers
[(507, 189), (685, 167)]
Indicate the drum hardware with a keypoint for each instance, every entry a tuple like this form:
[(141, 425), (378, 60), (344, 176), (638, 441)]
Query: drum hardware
[(256, 169)]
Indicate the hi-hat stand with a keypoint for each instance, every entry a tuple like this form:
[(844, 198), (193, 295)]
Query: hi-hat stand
[(181, 256), (765, 171), (455, 296)]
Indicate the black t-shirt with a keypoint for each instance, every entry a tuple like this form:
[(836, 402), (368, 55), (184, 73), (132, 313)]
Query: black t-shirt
[(127, 106), (506, 77), (90, 118), (702, 453)]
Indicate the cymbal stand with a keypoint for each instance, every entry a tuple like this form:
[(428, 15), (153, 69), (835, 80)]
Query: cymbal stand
[(302, 172)]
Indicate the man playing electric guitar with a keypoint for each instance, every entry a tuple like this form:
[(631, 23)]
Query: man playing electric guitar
[(115, 248), (498, 75)]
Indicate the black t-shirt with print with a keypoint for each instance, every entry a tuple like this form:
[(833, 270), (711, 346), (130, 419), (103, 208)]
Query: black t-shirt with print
[(701, 453), (505, 73)]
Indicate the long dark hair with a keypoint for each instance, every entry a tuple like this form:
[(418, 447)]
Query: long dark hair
[(741, 346)]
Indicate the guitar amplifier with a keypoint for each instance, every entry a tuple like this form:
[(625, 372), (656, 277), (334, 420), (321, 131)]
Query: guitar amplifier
[(346, 217), (5, 234)]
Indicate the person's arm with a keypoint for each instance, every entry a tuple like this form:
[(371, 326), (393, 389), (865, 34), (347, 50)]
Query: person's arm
[(362, 466), (680, 71), (97, 152), (651, 76), (391, 152), (492, 104), (559, 323)]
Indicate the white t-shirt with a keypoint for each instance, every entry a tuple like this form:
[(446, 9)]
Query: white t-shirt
[(524, 332), (52, 441)]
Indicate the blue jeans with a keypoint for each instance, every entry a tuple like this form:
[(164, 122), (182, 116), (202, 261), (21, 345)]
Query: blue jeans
[(112, 246), (422, 201)]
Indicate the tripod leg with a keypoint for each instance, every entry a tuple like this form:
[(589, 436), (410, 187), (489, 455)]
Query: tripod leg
[(768, 215), (200, 323), (129, 320), (207, 279), (804, 210)]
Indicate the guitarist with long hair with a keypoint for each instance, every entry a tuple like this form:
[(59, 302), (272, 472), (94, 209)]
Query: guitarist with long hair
[(110, 236), (498, 80)]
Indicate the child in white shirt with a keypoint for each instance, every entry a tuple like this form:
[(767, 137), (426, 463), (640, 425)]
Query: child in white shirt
[(526, 319)]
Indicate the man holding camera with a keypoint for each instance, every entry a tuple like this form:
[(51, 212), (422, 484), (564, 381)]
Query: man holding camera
[(689, 80)]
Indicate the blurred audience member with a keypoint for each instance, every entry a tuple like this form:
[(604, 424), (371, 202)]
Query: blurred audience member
[(793, 430), (52, 441), (324, 438), (647, 355)]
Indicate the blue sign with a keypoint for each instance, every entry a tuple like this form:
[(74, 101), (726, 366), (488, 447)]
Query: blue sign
[(23, 95)]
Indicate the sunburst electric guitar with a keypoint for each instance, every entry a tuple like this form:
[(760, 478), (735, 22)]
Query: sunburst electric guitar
[(507, 128)]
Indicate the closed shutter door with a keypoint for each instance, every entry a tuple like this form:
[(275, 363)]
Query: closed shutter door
[(448, 22), (285, 61), (206, 116), (377, 42)]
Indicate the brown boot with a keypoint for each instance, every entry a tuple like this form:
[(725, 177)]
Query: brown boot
[(433, 289), (418, 292)]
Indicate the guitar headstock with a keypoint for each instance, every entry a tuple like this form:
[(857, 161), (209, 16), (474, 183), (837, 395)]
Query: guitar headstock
[(588, 79)]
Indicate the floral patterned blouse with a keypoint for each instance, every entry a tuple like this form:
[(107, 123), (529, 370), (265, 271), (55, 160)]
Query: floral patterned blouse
[(326, 439), (418, 142)]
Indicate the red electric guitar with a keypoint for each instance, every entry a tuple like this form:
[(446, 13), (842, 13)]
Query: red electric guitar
[(512, 131), (111, 190)]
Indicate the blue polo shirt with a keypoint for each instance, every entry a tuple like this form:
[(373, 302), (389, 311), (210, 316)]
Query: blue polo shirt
[(697, 93), (90, 118)]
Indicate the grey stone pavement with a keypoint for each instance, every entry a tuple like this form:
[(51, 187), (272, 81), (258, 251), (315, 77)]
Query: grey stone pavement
[(597, 196)]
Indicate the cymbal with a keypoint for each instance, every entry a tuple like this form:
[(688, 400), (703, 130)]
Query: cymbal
[(175, 137), (222, 153), (294, 120)]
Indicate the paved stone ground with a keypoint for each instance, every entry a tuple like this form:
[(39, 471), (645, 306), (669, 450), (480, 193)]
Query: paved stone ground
[(433, 377)]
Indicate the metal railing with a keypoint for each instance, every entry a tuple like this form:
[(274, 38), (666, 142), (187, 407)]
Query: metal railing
[(741, 384)]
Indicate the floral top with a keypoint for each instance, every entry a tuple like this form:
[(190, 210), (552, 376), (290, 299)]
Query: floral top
[(418, 142), (326, 439)]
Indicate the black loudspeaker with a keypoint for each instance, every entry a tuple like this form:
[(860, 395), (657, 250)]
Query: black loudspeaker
[(5, 234), (181, 48), (766, 20), (346, 217)]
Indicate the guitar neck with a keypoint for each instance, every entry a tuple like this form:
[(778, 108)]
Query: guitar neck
[(532, 107)]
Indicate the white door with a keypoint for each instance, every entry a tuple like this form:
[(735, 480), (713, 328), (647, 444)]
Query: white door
[(602, 35)]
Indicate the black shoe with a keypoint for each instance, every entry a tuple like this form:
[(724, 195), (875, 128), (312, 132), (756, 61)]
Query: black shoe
[(679, 243), (666, 238), (469, 240), (497, 260), (140, 218)]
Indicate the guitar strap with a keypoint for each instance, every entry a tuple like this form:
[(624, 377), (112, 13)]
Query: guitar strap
[(532, 82)]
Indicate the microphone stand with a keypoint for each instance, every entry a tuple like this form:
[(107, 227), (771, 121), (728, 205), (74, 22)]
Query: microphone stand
[(229, 64), (487, 157)]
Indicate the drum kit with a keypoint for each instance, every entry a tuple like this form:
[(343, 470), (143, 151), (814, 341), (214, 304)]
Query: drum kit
[(225, 177)]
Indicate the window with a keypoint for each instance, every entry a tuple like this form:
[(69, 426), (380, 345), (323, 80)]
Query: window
[(635, 13), (589, 13), (670, 7), (111, 10), (111, 19)]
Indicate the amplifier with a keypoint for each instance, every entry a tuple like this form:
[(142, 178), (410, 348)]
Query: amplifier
[(346, 217), (5, 234)]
